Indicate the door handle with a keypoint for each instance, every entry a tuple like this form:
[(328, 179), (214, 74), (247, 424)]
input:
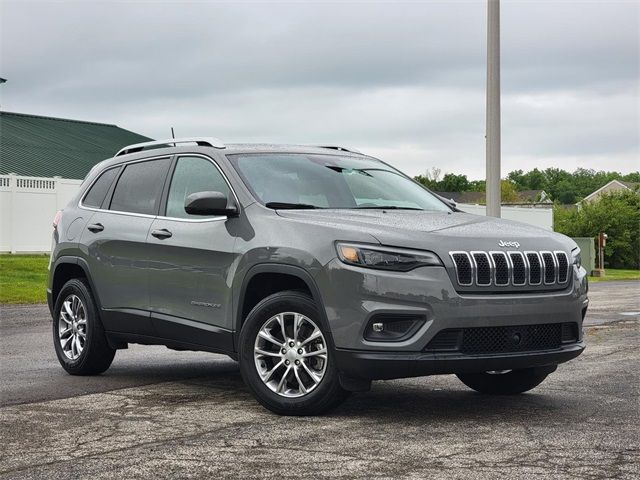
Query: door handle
[(162, 233), (96, 227)]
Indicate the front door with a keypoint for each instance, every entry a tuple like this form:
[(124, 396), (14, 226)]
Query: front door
[(190, 258)]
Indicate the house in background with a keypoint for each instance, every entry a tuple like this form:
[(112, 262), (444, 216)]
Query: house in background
[(532, 197), (526, 198), (612, 186), (42, 162), (471, 198), (37, 146)]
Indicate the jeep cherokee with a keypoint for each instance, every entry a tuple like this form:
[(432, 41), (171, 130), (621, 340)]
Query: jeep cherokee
[(319, 269)]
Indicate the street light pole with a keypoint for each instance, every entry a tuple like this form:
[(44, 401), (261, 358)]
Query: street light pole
[(493, 109)]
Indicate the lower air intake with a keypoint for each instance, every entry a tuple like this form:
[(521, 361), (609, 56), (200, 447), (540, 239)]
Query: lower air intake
[(510, 339)]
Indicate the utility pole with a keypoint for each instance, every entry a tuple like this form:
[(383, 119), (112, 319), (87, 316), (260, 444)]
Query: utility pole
[(493, 109)]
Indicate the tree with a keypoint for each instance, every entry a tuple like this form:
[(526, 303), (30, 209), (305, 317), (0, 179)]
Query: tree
[(618, 215), (430, 178), (534, 180), (562, 186), (509, 193), (517, 177), (566, 192), (454, 183), (477, 186)]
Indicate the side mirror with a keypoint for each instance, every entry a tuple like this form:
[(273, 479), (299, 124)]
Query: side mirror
[(209, 203)]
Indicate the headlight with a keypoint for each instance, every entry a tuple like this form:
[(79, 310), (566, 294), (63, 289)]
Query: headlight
[(384, 258), (577, 258)]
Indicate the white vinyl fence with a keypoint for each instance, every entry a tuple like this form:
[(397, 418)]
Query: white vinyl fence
[(538, 217), (27, 208), (28, 205)]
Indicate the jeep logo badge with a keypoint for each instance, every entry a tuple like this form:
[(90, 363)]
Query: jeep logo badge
[(502, 243)]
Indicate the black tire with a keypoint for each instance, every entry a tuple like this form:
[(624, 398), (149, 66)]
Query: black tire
[(326, 395), (510, 383), (96, 355)]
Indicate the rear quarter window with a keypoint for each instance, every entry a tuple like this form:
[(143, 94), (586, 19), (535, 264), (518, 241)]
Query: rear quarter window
[(98, 191)]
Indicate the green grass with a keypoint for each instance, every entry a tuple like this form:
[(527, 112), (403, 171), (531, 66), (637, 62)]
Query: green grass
[(615, 274), (23, 278)]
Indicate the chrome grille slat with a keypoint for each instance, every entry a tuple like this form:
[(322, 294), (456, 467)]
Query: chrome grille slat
[(511, 268), (549, 264), (502, 268), (562, 262), (464, 267), (519, 271), (483, 268), (534, 263)]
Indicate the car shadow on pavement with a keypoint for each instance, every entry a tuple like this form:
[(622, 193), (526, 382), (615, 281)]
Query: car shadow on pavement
[(420, 400), (405, 404)]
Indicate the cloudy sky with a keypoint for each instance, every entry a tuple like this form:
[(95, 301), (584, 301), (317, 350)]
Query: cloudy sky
[(403, 81)]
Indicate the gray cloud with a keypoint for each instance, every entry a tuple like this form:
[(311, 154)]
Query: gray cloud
[(402, 80)]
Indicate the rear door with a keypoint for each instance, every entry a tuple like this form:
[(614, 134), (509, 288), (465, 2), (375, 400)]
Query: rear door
[(115, 242), (190, 259)]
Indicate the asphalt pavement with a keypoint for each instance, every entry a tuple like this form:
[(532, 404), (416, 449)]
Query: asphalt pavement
[(165, 414)]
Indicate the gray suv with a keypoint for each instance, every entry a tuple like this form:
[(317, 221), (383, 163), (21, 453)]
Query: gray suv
[(319, 269)]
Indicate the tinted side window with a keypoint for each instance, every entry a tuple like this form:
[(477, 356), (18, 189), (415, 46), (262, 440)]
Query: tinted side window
[(97, 192), (193, 174), (140, 187)]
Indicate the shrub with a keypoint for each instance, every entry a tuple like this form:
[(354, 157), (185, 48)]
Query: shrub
[(618, 215)]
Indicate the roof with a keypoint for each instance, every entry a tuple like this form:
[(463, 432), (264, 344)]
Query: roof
[(38, 146), (630, 185), (622, 185), (464, 197), (533, 196), (524, 197)]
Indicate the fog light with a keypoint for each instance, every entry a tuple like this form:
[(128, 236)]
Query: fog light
[(388, 327)]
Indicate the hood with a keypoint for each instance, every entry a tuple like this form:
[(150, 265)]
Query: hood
[(437, 231)]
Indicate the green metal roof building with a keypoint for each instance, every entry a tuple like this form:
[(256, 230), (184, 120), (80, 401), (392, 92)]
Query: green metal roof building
[(37, 146)]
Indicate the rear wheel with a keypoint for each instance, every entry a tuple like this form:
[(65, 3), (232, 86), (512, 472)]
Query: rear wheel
[(286, 358), (78, 337), (508, 382)]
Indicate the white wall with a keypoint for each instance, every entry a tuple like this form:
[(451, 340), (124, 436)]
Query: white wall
[(27, 208), (539, 217), (28, 205)]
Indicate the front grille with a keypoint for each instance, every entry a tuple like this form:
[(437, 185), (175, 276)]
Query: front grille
[(489, 340), (511, 269)]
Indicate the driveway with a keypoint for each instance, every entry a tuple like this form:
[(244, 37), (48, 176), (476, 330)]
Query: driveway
[(163, 414)]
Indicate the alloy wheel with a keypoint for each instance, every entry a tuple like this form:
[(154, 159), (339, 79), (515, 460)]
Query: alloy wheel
[(290, 354), (72, 327)]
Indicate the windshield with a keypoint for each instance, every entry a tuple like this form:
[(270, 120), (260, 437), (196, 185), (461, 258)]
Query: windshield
[(294, 180)]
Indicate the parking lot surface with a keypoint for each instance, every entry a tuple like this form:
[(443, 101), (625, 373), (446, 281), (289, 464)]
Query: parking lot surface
[(163, 414)]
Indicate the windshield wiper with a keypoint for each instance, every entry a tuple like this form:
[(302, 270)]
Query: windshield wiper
[(386, 207), (290, 206)]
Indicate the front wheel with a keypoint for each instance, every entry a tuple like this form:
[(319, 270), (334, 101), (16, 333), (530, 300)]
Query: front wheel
[(510, 382), (286, 358)]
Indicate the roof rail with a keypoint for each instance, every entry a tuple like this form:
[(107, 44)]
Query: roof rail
[(339, 148), (200, 141)]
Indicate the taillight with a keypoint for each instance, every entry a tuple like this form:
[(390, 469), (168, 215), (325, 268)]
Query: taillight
[(57, 218)]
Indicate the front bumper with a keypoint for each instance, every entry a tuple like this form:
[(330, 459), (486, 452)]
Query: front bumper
[(352, 296), (371, 365)]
